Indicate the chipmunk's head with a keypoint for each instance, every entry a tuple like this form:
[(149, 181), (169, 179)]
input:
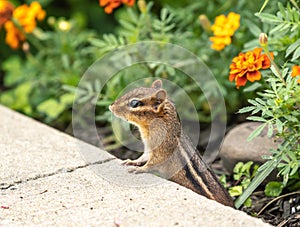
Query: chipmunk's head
[(141, 105)]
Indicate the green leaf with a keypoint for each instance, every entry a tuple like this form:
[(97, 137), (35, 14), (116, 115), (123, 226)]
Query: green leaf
[(260, 101), (223, 180), (51, 108), (284, 158), (103, 102), (257, 180), (273, 188), (253, 28), (279, 125), (253, 86), (296, 54), (67, 99), (292, 47), (245, 182), (296, 17), (14, 73), (65, 60), (237, 170), (256, 118), (22, 97), (268, 18), (246, 167), (127, 25), (256, 132), (270, 130), (69, 88), (282, 10), (294, 170), (254, 103), (97, 42), (246, 109), (164, 14), (236, 190), (248, 202), (281, 28), (292, 155)]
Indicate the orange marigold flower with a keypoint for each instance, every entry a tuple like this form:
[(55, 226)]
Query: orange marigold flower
[(13, 35), (25, 16), (110, 5), (296, 72), (6, 11), (223, 28), (219, 42), (246, 66)]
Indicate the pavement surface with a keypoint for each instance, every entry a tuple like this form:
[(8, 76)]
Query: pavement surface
[(48, 178)]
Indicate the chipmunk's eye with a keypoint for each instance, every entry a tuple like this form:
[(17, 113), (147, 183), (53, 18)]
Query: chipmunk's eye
[(135, 103)]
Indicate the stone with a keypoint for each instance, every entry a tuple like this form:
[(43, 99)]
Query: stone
[(48, 178), (236, 148)]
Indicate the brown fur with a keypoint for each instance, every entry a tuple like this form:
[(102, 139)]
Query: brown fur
[(168, 151)]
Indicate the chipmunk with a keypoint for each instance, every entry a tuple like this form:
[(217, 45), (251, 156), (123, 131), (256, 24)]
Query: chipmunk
[(167, 149)]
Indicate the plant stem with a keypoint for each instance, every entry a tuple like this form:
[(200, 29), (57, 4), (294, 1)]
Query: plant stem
[(277, 198), (263, 6), (266, 49), (295, 4)]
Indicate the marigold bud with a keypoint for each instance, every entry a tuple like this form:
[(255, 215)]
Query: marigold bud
[(205, 23), (263, 39), (142, 6), (26, 47)]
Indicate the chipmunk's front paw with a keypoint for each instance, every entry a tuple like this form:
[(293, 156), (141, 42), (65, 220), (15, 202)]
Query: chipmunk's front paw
[(129, 162), (137, 170)]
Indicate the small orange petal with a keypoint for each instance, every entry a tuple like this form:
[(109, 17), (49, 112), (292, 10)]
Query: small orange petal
[(240, 81), (266, 63), (232, 77), (103, 2), (253, 76), (295, 71), (257, 51), (128, 2), (108, 9)]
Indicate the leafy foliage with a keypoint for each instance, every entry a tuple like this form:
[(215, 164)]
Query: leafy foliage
[(278, 104), (57, 58), (35, 84), (243, 173)]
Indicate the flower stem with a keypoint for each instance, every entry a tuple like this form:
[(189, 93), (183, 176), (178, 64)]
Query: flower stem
[(266, 50)]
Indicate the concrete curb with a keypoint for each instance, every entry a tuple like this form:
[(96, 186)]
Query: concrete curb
[(44, 180)]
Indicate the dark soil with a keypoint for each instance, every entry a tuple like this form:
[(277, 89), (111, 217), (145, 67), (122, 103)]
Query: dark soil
[(281, 211)]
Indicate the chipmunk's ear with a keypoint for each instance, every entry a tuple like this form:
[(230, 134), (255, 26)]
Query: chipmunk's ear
[(158, 99), (157, 84), (160, 95)]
